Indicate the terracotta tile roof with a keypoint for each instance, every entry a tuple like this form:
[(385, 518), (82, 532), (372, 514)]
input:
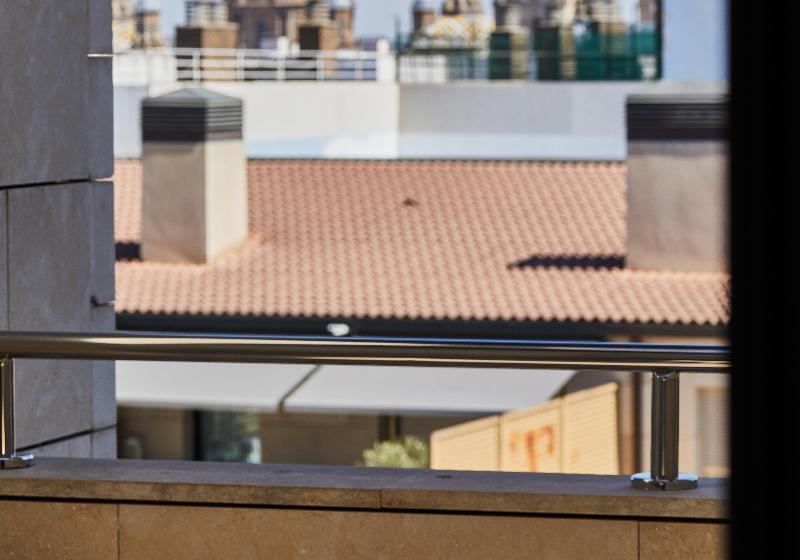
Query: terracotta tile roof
[(421, 240), (127, 201)]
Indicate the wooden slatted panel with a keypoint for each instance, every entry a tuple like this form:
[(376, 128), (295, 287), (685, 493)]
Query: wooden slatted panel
[(472, 446), (714, 439), (578, 433), (591, 431), (530, 439)]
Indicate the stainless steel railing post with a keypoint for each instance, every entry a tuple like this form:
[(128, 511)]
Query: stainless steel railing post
[(664, 437), (9, 459)]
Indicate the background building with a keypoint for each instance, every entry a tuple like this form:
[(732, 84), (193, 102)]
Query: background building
[(438, 120), (123, 24), (262, 22), (423, 13), (561, 12), (207, 27), (148, 28), (135, 24), (206, 12), (462, 7), (343, 13), (466, 249)]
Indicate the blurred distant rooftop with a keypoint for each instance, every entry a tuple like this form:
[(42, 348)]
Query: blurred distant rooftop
[(515, 242)]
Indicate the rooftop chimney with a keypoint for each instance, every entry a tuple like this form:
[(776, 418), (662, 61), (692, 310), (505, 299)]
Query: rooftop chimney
[(319, 32), (507, 13), (677, 182), (195, 193), (423, 13)]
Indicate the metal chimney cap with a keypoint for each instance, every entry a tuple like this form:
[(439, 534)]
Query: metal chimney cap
[(192, 97), (677, 116), (191, 114)]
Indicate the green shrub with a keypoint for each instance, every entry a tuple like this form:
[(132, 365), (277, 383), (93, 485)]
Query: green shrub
[(407, 453)]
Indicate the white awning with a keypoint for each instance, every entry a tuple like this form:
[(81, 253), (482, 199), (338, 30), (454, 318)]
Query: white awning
[(334, 389), (206, 385), (428, 391)]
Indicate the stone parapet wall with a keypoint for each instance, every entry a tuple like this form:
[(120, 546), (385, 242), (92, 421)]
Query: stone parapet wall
[(163, 509)]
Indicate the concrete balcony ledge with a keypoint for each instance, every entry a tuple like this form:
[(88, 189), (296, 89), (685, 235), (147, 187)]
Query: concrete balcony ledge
[(91, 508), (311, 486)]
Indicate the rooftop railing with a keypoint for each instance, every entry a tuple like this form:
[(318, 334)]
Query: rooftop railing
[(169, 65), (665, 362), (486, 65)]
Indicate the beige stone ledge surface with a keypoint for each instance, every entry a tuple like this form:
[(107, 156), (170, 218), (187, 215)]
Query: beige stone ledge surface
[(304, 486)]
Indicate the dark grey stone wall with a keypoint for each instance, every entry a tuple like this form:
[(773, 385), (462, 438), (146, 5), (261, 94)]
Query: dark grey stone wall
[(56, 216)]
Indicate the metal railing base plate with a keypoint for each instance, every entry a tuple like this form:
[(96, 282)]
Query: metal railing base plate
[(16, 461), (645, 481)]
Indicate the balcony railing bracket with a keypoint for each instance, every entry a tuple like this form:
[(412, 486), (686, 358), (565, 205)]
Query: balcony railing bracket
[(664, 437), (645, 481), (9, 458)]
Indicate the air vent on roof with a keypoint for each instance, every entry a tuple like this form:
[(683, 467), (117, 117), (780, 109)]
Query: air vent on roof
[(677, 117), (191, 115)]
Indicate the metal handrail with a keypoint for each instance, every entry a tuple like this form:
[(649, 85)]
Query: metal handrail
[(366, 351), (665, 361)]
